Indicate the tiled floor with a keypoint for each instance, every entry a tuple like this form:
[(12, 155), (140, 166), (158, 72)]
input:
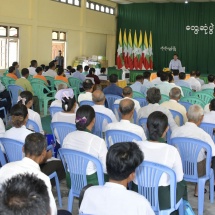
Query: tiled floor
[(209, 209)]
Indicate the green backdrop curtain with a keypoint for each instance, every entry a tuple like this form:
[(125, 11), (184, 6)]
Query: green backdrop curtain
[(168, 23)]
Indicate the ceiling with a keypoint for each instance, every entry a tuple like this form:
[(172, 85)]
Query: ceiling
[(157, 1)]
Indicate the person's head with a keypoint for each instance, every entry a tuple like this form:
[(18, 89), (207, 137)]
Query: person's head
[(46, 68), (19, 115), (113, 78), (153, 95), (175, 56), (171, 79), (52, 65), (15, 64), (159, 73), (43, 66), (122, 160), (25, 72), (12, 69), (34, 63), (195, 114), (24, 194), (126, 108), (175, 72), (39, 70), (175, 93), (103, 70), (139, 78), (59, 52), (193, 74), (212, 105), (198, 73), (85, 118), (88, 85), (80, 68), (92, 71), (157, 124), (164, 76), (127, 92), (35, 147), (60, 71), (210, 78), (86, 68), (69, 104), (98, 97), (26, 98), (62, 86), (146, 75), (182, 75)]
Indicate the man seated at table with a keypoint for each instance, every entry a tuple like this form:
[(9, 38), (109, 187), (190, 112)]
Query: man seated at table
[(113, 197), (210, 84), (113, 88), (181, 82), (138, 85)]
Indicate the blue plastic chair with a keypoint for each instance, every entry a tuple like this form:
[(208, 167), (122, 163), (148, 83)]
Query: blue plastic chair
[(187, 91), (75, 163), (62, 129), (2, 158), (209, 128), (163, 98), (111, 99), (54, 110), (143, 123), (148, 175), (86, 102), (185, 104), (175, 115), (14, 91), (117, 136), (143, 102), (189, 150), (101, 120), (32, 124)]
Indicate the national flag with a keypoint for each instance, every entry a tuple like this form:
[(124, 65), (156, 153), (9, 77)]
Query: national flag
[(145, 54), (150, 52), (130, 53), (140, 47), (119, 60), (135, 51), (125, 50)]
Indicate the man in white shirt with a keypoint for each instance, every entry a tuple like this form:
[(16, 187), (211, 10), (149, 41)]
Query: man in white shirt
[(138, 85), (32, 68), (172, 104), (114, 198), (35, 153), (175, 63), (51, 71), (87, 95), (195, 84), (175, 75), (210, 116), (146, 83), (210, 84), (157, 80), (153, 97), (126, 108), (198, 74), (181, 82)]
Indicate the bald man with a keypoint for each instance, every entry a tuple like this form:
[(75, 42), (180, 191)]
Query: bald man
[(126, 108)]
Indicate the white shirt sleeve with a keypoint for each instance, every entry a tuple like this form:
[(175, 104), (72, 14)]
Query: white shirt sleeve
[(103, 154), (170, 65)]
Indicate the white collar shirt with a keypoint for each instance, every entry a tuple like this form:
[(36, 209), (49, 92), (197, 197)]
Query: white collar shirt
[(144, 112), (33, 115), (27, 165), (156, 81), (56, 103), (50, 72), (195, 84), (138, 87), (183, 83), (165, 88), (200, 81), (209, 117), (175, 65), (191, 130), (87, 96), (88, 143), (32, 70), (208, 86), (114, 199), (170, 158), (147, 84)]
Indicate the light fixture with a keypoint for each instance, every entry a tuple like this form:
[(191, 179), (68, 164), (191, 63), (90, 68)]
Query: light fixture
[(186, 2)]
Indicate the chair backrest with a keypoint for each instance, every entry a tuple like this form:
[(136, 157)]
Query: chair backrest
[(209, 128), (138, 95), (13, 149), (208, 91), (101, 121), (87, 102), (111, 99), (193, 100), (30, 77), (14, 91), (185, 104), (143, 102), (148, 175), (143, 123), (189, 151), (117, 136), (187, 91), (62, 129), (75, 82), (38, 89), (204, 96), (7, 80), (76, 163), (54, 110), (32, 125), (163, 98), (176, 115), (58, 82), (2, 158)]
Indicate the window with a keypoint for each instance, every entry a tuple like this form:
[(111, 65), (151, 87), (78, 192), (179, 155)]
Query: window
[(59, 35), (71, 2), (9, 46), (99, 7)]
